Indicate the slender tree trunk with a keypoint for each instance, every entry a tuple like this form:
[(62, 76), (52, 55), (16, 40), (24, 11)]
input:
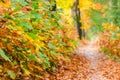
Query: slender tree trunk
[(76, 16)]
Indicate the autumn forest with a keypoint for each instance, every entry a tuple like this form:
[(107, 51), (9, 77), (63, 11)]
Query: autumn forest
[(59, 39)]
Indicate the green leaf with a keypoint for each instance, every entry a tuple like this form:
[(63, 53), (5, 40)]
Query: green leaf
[(33, 36), (8, 16), (22, 15), (3, 55), (34, 14), (50, 45), (11, 74), (40, 55), (1, 16), (34, 31), (35, 58), (34, 5), (21, 2), (32, 57), (25, 25), (47, 22), (46, 62)]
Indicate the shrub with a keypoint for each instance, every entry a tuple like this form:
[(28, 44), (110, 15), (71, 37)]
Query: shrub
[(32, 39)]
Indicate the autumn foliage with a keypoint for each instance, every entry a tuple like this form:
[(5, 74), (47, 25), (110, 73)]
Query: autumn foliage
[(100, 18), (33, 39)]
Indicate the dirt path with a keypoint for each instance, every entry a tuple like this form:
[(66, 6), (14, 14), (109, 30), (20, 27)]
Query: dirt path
[(100, 66), (92, 53), (88, 64)]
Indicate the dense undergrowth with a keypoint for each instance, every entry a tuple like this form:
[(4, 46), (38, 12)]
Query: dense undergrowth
[(109, 28), (33, 39)]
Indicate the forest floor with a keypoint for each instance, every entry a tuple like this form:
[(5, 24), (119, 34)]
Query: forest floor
[(89, 63)]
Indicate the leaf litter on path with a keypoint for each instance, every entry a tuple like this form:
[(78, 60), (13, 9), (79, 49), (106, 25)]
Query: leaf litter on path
[(89, 63)]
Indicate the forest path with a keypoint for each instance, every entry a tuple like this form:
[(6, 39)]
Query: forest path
[(89, 63), (91, 51), (100, 67)]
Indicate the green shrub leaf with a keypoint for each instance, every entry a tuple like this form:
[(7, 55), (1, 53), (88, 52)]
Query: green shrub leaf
[(3, 55)]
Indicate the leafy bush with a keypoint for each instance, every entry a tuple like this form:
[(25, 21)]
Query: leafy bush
[(32, 39), (105, 22), (101, 18), (110, 45)]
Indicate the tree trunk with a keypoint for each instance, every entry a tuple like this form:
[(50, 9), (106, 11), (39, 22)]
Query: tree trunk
[(76, 16)]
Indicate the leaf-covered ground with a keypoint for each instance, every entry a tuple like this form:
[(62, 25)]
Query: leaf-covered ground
[(88, 64)]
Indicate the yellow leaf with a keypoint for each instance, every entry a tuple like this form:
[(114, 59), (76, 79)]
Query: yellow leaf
[(85, 4)]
